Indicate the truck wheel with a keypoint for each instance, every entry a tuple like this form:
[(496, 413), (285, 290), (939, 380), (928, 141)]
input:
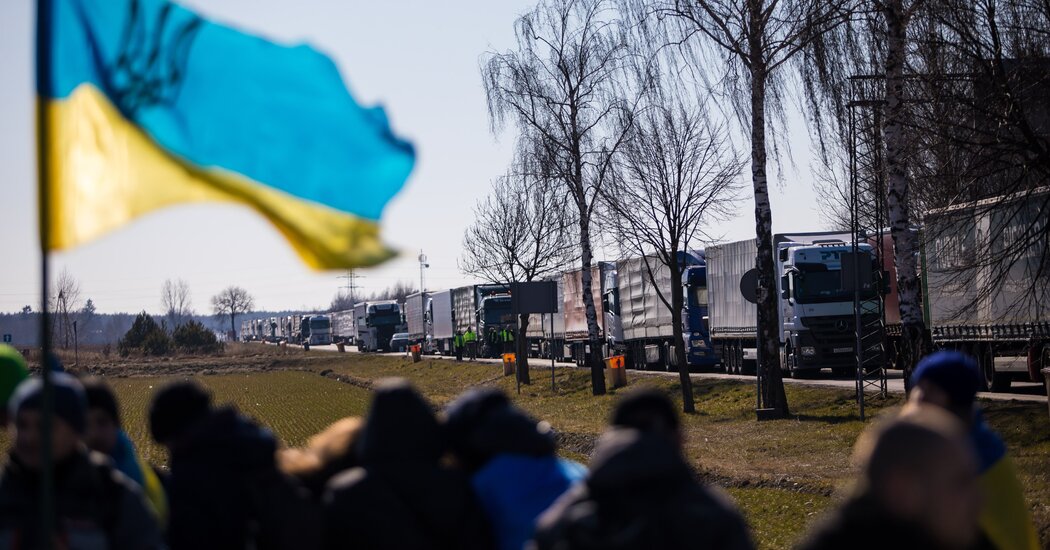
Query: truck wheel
[(993, 381)]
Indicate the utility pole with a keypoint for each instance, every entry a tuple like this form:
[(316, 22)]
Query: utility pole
[(350, 285)]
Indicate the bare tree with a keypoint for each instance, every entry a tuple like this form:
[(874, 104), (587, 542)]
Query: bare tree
[(521, 232), (175, 299), (675, 175), (564, 84), (65, 303), (232, 301), (341, 302), (754, 40)]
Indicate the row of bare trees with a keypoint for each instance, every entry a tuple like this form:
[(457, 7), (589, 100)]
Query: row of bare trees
[(609, 103)]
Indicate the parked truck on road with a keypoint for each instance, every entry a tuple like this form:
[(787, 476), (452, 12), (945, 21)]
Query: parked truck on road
[(486, 309), (815, 302), (343, 327), (965, 248), (418, 314), (376, 323)]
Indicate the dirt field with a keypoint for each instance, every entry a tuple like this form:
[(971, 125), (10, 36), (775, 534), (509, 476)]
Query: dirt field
[(783, 473)]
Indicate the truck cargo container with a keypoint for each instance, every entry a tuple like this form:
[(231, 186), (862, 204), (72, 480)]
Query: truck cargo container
[(648, 330), (376, 323), (418, 320), (1007, 331), (486, 309), (815, 303), (443, 325), (607, 310), (343, 327)]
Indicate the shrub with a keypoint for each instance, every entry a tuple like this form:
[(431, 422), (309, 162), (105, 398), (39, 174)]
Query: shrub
[(145, 336), (193, 337)]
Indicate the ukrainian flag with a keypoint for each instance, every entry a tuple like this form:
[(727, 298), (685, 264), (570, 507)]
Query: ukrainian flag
[(145, 105)]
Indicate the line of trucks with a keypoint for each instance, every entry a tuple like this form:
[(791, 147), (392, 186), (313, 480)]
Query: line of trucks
[(816, 277)]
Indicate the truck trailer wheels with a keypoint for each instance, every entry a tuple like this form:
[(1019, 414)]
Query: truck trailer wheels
[(991, 380)]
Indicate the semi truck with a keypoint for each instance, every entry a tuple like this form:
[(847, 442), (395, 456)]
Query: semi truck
[(343, 326), (486, 309), (815, 301), (313, 329), (1006, 330), (443, 324), (607, 309), (418, 315), (376, 323), (648, 330)]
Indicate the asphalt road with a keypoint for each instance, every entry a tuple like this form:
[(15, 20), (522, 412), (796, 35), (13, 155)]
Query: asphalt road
[(1019, 391)]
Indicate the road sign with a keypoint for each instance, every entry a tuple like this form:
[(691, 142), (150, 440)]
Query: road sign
[(7, 338)]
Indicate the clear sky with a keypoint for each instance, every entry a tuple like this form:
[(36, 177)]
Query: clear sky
[(418, 58)]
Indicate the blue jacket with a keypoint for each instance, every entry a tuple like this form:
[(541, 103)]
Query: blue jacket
[(514, 489)]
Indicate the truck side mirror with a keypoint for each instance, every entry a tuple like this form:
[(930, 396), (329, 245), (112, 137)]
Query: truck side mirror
[(884, 282), (785, 288)]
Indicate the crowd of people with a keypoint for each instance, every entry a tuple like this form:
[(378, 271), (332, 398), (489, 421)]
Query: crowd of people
[(481, 474)]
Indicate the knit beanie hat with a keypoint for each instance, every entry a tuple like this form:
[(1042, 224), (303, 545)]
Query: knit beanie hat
[(954, 372), (13, 371), (70, 403)]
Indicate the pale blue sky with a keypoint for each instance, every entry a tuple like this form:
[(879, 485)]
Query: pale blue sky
[(419, 58)]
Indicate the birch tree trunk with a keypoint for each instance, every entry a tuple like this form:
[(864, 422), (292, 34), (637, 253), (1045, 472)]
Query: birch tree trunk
[(768, 318), (905, 241), (593, 341)]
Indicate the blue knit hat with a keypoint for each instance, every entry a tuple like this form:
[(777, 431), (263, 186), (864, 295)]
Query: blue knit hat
[(954, 372), (69, 399)]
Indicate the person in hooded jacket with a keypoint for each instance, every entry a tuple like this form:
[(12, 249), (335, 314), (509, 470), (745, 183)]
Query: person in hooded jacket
[(225, 490), (401, 496), (641, 493), (95, 506), (512, 462)]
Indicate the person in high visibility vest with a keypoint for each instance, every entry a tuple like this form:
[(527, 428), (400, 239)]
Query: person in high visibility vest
[(457, 342), (507, 336), (471, 340)]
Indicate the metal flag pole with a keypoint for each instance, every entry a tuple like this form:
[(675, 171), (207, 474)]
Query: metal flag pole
[(44, 88)]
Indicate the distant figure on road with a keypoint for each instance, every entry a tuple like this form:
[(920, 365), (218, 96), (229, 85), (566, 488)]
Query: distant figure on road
[(641, 493), (457, 342), (918, 489), (950, 380), (96, 506), (13, 371), (512, 462), (106, 435), (225, 490), (401, 496), (471, 339)]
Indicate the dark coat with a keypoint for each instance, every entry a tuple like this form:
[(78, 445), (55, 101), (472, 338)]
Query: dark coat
[(862, 524), (401, 497), (225, 491), (640, 494), (96, 506)]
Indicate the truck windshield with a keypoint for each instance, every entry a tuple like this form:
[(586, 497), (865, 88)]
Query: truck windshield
[(322, 324), (384, 315), (815, 283), (496, 309)]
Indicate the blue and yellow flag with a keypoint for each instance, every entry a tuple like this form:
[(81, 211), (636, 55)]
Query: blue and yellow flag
[(148, 105)]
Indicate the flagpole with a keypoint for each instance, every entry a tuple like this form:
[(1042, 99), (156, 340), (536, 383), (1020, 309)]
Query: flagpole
[(43, 91)]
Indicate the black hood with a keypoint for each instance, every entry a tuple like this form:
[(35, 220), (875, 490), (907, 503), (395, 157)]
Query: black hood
[(627, 460), (226, 437), (401, 427), (483, 423)]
